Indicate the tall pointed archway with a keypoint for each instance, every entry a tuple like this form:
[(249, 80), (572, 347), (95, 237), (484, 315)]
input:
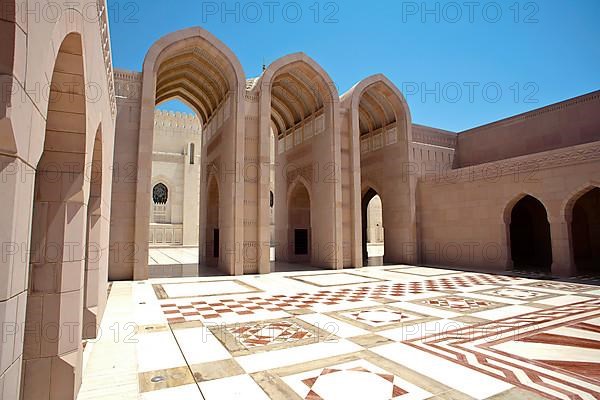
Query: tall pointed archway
[(530, 238), (196, 68), (585, 233), (380, 132), (300, 106)]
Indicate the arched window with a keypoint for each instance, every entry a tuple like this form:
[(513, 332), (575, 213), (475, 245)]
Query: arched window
[(160, 194), (192, 153)]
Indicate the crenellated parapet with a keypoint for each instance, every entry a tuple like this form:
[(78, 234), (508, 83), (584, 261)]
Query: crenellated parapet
[(128, 84), (176, 122)]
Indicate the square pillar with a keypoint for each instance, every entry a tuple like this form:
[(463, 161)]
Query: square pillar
[(563, 263), (16, 184)]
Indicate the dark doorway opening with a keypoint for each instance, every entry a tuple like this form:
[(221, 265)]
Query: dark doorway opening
[(301, 242), (216, 243), (530, 240), (213, 233), (585, 229), (299, 228)]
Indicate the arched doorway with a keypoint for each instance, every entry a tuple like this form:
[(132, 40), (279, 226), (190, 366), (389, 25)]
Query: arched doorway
[(299, 225), (213, 231), (372, 228), (530, 241), (196, 69), (585, 231), (302, 112), (174, 221), (53, 327), (381, 132)]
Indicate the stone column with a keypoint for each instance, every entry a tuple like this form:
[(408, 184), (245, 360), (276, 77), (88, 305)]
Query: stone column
[(398, 201), (52, 345), (191, 182), (16, 184), (563, 263)]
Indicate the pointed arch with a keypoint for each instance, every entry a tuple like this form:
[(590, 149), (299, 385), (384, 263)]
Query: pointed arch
[(368, 194), (300, 222), (380, 120), (582, 215), (298, 100), (197, 68), (213, 223), (529, 237)]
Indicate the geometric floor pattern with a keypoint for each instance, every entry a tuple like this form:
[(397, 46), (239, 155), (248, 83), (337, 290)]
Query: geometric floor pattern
[(459, 303), (394, 332), (180, 311), (263, 333), (554, 351), (354, 380)]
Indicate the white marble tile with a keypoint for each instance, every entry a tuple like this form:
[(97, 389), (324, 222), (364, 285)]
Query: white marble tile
[(322, 308), (497, 299), (421, 330), (204, 288), (423, 271), (295, 355), (576, 333), (187, 392), (563, 300), (199, 345), (544, 351), (429, 311), (463, 379), (241, 387), (476, 288), (333, 279), (233, 318), (356, 380), (334, 326), (504, 312), (594, 321), (416, 296), (512, 293), (157, 351)]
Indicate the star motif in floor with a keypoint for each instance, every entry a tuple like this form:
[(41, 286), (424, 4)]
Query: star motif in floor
[(379, 316), (380, 385), (516, 293), (268, 332), (458, 303)]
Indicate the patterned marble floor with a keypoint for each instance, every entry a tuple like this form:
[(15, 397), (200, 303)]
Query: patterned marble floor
[(392, 332)]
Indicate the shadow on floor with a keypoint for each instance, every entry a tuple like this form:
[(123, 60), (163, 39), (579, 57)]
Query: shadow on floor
[(204, 270), (289, 267)]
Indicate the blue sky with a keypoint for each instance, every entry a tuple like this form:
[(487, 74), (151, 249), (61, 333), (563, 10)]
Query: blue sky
[(460, 64)]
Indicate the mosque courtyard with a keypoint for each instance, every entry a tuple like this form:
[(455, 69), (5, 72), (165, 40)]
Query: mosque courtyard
[(390, 332)]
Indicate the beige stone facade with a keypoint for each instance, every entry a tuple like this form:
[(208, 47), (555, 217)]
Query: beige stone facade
[(57, 120), (77, 180), (320, 140), (175, 180)]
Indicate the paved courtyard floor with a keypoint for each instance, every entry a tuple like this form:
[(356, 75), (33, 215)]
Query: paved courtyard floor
[(392, 332)]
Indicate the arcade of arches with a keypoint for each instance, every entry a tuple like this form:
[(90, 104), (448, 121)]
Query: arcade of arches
[(283, 149), (277, 159)]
